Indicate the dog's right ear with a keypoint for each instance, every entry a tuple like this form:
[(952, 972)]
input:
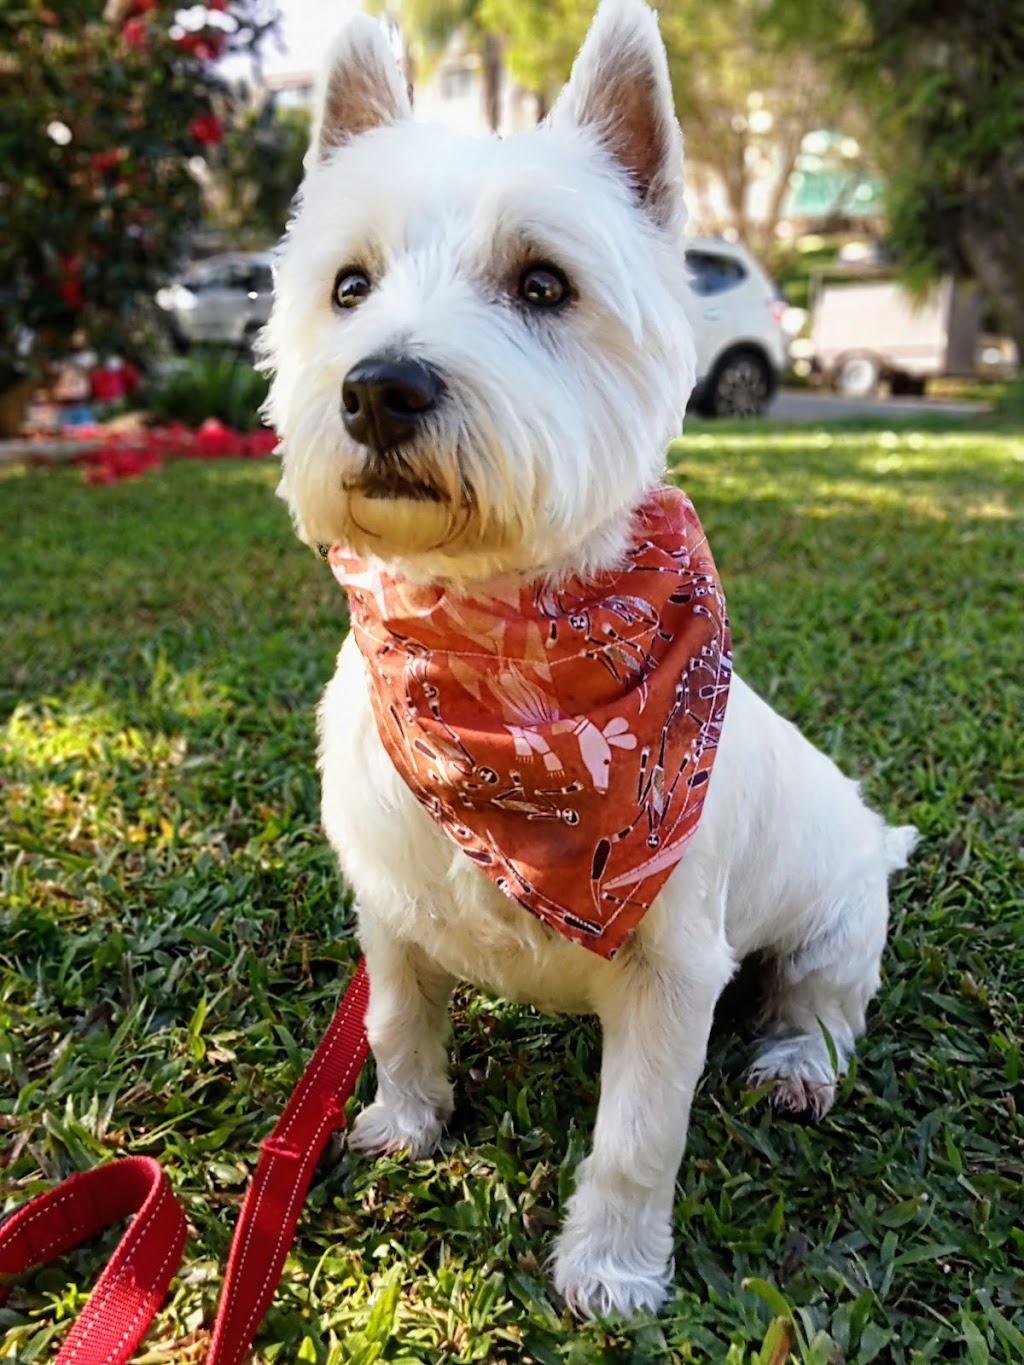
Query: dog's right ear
[(620, 88), (361, 87)]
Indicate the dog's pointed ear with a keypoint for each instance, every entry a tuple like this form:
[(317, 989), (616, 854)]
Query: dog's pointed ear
[(361, 87), (620, 88)]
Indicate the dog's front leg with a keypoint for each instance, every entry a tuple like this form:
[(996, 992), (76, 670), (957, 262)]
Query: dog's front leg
[(614, 1253), (407, 1024)]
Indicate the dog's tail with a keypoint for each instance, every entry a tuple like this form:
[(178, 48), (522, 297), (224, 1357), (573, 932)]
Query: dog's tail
[(900, 842)]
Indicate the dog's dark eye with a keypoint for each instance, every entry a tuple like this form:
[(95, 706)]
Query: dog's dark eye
[(543, 286), (350, 288)]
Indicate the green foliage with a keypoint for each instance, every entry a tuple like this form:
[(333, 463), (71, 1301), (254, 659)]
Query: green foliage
[(256, 171), (944, 86), (429, 24), (541, 38), (173, 937), (727, 71), (98, 124), (205, 384)]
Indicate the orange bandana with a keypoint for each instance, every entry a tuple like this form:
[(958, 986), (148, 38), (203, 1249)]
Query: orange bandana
[(563, 738)]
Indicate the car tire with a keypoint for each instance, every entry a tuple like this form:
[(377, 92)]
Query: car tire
[(857, 376), (742, 385)]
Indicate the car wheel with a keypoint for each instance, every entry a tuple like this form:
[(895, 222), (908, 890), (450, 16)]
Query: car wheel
[(858, 376), (741, 386)]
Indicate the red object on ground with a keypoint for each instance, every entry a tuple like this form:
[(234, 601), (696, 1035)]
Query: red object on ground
[(110, 382), (125, 455), (131, 1287), (135, 1279)]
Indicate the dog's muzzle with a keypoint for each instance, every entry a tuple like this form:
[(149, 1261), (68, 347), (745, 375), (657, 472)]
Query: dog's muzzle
[(386, 398)]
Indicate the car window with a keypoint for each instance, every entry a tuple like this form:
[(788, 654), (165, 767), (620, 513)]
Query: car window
[(712, 273), (198, 280), (224, 275)]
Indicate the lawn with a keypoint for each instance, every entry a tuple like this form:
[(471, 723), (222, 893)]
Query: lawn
[(173, 937)]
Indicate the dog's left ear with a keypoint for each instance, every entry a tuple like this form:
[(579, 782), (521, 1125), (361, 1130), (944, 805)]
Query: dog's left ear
[(361, 87), (620, 88)]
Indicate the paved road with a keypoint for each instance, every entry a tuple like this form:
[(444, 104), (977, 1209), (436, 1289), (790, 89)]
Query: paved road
[(797, 405)]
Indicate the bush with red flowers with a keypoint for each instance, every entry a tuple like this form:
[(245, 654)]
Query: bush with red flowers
[(103, 112)]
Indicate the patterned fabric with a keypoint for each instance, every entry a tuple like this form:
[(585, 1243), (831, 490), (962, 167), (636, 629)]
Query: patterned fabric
[(562, 738)]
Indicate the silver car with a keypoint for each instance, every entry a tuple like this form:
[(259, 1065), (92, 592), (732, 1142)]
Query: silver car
[(225, 299)]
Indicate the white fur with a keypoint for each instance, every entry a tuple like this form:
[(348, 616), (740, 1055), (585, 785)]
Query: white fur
[(552, 430)]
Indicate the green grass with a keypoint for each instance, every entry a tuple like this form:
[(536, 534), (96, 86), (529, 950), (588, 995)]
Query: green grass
[(173, 937)]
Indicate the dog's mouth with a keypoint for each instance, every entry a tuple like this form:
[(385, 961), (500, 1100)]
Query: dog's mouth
[(392, 475), (390, 485)]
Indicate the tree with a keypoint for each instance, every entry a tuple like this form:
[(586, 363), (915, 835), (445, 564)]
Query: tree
[(944, 83), (429, 24), (101, 117), (255, 172), (744, 105)]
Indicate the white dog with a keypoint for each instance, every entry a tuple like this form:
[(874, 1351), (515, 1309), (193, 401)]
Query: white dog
[(480, 352)]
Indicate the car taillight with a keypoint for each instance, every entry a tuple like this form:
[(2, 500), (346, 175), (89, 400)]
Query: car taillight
[(778, 310)]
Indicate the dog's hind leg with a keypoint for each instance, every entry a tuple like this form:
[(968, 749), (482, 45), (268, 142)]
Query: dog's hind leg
[(816, 1003), (407, 1024)]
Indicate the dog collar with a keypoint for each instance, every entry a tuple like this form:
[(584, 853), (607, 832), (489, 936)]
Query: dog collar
[(562, 738)]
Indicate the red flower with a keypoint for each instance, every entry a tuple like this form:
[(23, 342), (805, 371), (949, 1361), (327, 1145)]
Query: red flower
[(69, 286), (134, 33), (206, 128), (206, 46), (143, 6), (106, 161), (217, 4)]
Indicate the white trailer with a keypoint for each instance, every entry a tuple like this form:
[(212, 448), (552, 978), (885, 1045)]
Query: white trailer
[(865, 332)]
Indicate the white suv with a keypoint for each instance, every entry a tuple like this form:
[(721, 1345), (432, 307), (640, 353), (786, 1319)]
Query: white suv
[(737, 324)]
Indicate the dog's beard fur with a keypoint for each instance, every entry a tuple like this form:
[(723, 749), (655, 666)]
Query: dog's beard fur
[(554, 423)]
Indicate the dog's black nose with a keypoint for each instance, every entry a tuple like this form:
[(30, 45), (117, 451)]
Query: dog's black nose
[(385, 398)]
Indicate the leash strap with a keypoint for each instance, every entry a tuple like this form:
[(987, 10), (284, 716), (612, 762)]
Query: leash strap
[(133, 1283)]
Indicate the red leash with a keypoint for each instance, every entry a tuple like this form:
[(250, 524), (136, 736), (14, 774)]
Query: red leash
[(135, 1279)]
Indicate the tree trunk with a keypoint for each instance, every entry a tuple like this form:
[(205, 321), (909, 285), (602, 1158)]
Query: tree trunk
[(991, 244), (734, 178), (14, 405), (790, 149), (494, 71), (409, 72)]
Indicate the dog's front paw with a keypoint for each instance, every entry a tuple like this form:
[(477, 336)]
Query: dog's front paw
[(596, 1285), (381, 1130), (597, 1278)]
